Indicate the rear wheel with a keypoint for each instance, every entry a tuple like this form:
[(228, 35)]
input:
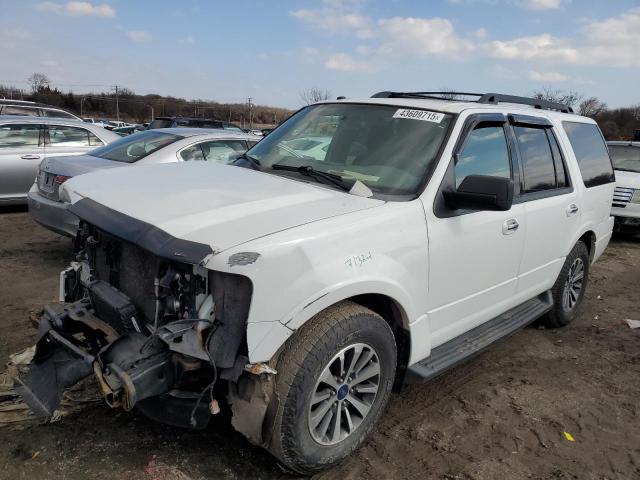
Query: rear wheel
[(334, 380), (568, 291)]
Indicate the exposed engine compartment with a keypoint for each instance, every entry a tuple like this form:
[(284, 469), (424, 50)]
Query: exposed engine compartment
[(157, 333)]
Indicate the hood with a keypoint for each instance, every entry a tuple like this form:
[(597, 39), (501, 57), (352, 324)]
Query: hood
[(217, 205), (73, 165), (627, 179)]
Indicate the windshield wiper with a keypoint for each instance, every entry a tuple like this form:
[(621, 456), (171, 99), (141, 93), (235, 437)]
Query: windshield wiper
[(253, 162), (309, 171)]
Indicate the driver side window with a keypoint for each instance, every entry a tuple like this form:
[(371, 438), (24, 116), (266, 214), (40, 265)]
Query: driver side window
[(485, 153)]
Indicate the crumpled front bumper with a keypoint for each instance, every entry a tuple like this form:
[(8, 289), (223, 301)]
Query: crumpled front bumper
[(133, 370)]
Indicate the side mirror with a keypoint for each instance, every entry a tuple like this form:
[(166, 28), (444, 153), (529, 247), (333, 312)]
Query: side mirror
[(481, 192)]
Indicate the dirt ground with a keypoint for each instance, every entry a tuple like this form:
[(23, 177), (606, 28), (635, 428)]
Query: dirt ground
[(503, 414)]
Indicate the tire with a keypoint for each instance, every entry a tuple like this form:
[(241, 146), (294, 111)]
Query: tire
[(297, 437), (567, 300)]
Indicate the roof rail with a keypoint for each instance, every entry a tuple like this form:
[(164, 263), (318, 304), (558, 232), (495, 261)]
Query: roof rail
[(490, 98)]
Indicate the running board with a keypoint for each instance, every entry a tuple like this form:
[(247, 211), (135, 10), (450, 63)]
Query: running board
[(474, 341)]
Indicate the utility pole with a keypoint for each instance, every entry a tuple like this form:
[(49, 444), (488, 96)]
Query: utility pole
[(81, 102), (117, 104), (249, 100)]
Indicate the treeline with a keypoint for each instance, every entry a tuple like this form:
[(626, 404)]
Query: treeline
[(140, 108)]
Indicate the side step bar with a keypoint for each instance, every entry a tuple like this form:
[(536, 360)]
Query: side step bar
[(455, 351)]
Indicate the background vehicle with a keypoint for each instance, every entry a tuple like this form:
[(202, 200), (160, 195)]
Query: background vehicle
[(311, 285), (33, 109), (128, 130), (626, 198), (190, 122), (26, 141), (147, 147)]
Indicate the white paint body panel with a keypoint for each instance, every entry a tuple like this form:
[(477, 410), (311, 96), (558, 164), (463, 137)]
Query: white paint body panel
[(627, 180), (318, 246)]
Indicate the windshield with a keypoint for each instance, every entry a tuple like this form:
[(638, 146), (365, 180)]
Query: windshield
[(134, 147), (625, 157), (387, 148)]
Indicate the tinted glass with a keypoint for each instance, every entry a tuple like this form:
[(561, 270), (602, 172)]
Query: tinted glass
[(223, 151), (485, 153), (57, 114), (382, 146), (591, 153), (625, 157), (63, 136), (16, 135), (161, 123), (538, 166), (33, 112), (134, 147), (561, 173)]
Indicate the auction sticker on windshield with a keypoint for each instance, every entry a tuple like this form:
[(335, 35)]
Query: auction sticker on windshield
[(423, 115)]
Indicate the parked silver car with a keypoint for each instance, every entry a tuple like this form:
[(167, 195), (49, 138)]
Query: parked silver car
[(151, 146), (26, 141), (33, 109)]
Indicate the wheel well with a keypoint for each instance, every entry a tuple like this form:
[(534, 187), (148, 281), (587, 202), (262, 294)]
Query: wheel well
[(388, 309), (589, 239)]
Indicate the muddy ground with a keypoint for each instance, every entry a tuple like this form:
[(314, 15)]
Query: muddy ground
[(501, 415)]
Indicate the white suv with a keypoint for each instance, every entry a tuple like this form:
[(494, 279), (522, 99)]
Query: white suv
[(626, 198), (302, 289)]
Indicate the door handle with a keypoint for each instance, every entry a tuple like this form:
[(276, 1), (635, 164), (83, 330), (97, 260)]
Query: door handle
[(572, 210), (30, 157), (510, 226)]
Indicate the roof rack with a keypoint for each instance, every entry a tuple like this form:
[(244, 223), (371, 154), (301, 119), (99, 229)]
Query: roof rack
[(489, 98)]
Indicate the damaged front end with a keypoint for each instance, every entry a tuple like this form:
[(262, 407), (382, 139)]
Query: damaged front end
[(157, 330)]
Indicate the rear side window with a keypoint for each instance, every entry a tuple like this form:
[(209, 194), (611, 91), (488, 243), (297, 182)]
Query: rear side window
[(591, 153), (485, 153), (537, 159), (63, 136), (10, 110), (18, 135)]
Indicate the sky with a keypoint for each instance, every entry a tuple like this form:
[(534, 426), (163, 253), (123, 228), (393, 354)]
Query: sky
[(273, 50)]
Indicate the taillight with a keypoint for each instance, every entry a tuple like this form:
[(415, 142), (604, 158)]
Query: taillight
[(60, 179)]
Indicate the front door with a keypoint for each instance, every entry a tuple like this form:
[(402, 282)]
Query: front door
[(474, 256)]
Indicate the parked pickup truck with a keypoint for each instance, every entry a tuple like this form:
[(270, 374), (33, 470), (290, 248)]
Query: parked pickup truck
[(302, 289)]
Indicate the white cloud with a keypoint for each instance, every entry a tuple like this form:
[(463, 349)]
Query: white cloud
[(76, 9), (139, 36), (481, 33), (539, 47), (422, 36), (542, 4), (548, 77), (346, 63), (336, 22)]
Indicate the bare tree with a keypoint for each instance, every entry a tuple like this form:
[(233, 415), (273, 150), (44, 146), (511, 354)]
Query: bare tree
[(38, 81), (314, 95), (567, 97), (591, 107)]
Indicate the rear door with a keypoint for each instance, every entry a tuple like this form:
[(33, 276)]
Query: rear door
[(550, 201), (215, 151), (21, 150), (69, 140)]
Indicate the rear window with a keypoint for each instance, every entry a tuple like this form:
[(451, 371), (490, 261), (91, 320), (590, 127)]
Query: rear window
[(160, 123), (625, 157), (591, 153), (134, 147)]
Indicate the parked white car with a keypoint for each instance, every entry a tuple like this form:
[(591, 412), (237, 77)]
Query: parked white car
[(430, 229), (626, 198), (148, 147), (26, 141)]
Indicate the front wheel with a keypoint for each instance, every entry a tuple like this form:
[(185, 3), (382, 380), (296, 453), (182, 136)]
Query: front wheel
[(569, 289), (334, 380)]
